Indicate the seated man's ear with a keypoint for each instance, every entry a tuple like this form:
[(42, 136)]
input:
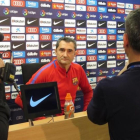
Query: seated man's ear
[(125, 40)]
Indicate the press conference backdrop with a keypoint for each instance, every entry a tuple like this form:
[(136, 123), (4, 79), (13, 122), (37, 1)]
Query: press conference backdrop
[(31, 29)]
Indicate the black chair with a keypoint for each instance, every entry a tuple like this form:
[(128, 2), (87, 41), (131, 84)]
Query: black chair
[(28, 69)]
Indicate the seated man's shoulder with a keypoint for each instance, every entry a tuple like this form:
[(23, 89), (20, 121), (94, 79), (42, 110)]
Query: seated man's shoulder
[(76, 66)]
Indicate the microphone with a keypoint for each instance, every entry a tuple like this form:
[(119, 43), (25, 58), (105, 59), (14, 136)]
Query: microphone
[(1, 37)]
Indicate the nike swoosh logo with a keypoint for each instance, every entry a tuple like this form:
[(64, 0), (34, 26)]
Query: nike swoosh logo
[(89, 45), (55, 23), (101, 24), (35, 103), (119, 25), (14, 47), (119, 63), (80, 23), (43, 46), (3, 20), (99, 65), (111, 44), (29, 22)]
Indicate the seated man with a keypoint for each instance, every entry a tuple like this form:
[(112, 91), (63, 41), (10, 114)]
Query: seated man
[(116, 100), (67, 74)]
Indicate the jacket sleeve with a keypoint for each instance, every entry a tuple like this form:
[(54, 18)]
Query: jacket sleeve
[(86, 88), (97, 111)]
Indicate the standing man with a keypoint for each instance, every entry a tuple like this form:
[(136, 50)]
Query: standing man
[(67, 74), (4, 110), (116, 100)]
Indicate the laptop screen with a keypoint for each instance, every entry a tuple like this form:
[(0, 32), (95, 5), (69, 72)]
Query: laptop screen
[(40, 100)]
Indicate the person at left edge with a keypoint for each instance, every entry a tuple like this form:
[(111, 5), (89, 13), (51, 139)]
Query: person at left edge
[(67, 74)]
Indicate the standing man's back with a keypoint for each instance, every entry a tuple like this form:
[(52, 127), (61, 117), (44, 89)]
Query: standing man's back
[(116, 101)]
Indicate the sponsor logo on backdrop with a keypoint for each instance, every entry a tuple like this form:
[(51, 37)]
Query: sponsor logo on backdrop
[(120, 63), (100, 78), (18, 54), (32, 4), (111, 44), (120, 11), (58, 22), (91, 51), (111, 10), (101, 51), (101, 37), (120, 51), (120, 5), (45, 53), (91, 8), (5, 46), (70, 22), (102, 31), (129, 6), (119, 44), (111, 37), (45, 45), (58, 6), (80, 30), (102, 9), (111, 64), (45, 22), (32, 45), (91, 65), (127, 11), (80, 37), (92, 58), (18, 29), (80, 58), (32, 54), (70, 30), (58, 30), (92, 23), (91, 31), (136, 6), (91, 44), (45, 5), (32, 22), (4, 29), (32, 60), (18, 37), (4, 21), (102, 24), (59, 1), (119, 37), (7, 37), (57, 36), (69, 7), (112, 57), (19, 61), (92, 80), (80, 8), (111, 31), (111, 4), (47, 60), (81, 52), (83, 2), (81, 23), (120, 56), (81, 44), (120, 31), (70, 36), (45, 37), (102, 3), (101, 57), (4, 2), (102, 44), (91, 37), (73, 1), (6, 55), (120, 25), (32, 37), (32, 30), (111, 51), (111, 24), (18, 45)]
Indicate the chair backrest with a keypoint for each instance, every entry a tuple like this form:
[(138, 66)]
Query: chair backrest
[(28, 69)]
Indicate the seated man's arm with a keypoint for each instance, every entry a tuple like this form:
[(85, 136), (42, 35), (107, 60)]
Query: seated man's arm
[(97, 111), (124, 69), (86, 89)]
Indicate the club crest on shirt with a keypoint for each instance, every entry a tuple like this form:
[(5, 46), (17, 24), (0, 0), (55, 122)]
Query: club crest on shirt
[(75, 81)]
